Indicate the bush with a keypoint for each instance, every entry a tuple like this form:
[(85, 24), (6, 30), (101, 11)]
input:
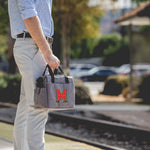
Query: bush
[(118, 84), (114, 85), (81, 93), (10, 89), (144, 90), (136, 81)]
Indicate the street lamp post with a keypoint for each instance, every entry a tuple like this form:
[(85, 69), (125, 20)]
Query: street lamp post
[(131, 61)]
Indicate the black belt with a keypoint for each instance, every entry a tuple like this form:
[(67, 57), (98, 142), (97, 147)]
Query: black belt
[(27, 35)]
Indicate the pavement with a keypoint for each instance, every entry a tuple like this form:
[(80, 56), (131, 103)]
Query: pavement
[(5, 144), (94, 87), (129, 113), (97, 87)]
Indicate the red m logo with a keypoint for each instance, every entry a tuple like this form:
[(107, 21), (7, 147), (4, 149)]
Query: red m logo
[(61, 96)]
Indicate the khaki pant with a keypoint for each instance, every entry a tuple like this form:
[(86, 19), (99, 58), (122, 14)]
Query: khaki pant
[(29, 126)]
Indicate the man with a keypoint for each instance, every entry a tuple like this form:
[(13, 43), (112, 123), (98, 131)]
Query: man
[(32, 27)]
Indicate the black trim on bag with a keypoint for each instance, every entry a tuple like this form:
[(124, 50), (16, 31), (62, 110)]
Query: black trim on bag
[(53, 74)]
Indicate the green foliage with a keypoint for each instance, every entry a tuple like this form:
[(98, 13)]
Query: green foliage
[(138, 1), (6, 78), (3, 44), (106, 43), (113, 44), (145, 29), (3, 80), (9, 87), (3, 16), (82, 95), (82, 20), (83, 48), (111, 47)]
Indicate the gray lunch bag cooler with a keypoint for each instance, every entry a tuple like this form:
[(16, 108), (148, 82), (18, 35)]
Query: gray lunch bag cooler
[(54, 92)]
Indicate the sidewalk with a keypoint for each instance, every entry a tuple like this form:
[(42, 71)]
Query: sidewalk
[(52, 142), (132, 114), (5, 144)]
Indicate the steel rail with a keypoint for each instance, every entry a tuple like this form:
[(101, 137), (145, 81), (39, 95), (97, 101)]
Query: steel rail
[(101, 123)]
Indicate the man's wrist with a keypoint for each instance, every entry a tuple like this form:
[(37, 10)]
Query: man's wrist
[(48, 52)]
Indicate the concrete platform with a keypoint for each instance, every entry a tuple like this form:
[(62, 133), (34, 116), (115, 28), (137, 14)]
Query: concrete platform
[(52, 142), (132, 114), (5, 144)]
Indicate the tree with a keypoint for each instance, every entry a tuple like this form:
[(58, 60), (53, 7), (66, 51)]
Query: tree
[(5, 30), (74, 21), (139, 1), (84, 48), (3, 16), (3, 25)]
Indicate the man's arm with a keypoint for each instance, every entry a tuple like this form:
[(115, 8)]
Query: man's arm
[(29, 15), (34, 28)]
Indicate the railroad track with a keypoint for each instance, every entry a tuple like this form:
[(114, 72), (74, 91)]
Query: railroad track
[(139, 137), (100, 123)]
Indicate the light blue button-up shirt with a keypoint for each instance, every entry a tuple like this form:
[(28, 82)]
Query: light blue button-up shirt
[(22, 9)]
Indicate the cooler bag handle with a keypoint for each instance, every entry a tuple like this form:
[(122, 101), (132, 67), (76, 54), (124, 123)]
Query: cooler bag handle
[(52, 74)]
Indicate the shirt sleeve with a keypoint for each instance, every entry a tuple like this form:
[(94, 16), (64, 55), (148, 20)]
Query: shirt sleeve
[(27, 8)]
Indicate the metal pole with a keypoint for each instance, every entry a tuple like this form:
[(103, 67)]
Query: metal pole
[(131, 61)]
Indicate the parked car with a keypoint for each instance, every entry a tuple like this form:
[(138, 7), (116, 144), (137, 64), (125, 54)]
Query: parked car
[(138, 69), (98, 74), (78, 69), (124, 69), (141, 69)]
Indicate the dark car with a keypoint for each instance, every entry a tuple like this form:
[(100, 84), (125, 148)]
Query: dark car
[(98, 74)]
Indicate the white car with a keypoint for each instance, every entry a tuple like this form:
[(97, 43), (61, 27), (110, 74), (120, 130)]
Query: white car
[(77, 70), (138, 69)]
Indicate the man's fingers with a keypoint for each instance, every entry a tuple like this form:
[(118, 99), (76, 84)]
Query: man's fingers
[(58, 62), (57, 65), (54, 63), (54, 66), (53, 70)]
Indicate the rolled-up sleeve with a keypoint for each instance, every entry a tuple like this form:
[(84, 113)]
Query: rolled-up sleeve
[(27, 8)]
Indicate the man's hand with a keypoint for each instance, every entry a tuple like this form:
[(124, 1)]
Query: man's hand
[(52, 60)]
